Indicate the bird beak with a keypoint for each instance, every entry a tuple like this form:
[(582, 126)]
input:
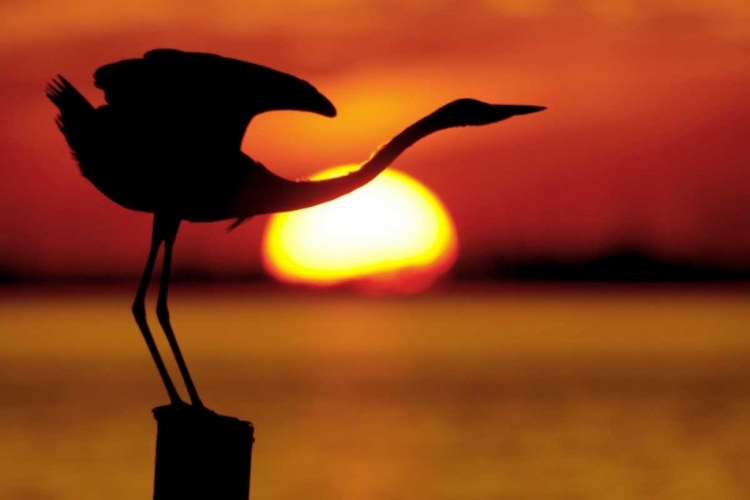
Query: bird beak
[(514, 109), (499, 112)]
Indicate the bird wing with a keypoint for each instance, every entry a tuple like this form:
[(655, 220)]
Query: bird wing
[(201, 97)]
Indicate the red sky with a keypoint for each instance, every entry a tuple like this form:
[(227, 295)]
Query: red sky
[(645, 141)]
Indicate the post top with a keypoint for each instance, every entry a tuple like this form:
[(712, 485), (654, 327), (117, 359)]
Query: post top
[(191, 413)]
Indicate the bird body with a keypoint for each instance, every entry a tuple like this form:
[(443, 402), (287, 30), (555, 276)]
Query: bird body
[(168, 142), (168, 139)]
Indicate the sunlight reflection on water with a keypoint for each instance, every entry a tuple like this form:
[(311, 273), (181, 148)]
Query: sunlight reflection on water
[(542, 396)]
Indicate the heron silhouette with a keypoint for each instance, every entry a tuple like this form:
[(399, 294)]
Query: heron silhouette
[(168, 143)]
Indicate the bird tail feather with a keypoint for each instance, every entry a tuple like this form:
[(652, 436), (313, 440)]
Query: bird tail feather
[(75, 117), (237, 222)]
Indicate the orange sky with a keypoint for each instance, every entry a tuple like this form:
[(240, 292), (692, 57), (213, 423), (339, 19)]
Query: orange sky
[(645, 142)]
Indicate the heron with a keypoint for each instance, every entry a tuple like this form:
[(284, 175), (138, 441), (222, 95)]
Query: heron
[(168, 142)]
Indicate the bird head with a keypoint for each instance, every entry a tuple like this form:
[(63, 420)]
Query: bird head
[(471, 112)]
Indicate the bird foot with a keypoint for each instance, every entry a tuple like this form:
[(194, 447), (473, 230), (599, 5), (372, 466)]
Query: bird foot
[(194, 407), (183, 408)]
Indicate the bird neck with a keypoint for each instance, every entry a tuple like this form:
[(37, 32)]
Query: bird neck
[(264, 192)]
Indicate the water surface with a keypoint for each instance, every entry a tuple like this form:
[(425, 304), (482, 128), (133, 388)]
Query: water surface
[(476, 395)]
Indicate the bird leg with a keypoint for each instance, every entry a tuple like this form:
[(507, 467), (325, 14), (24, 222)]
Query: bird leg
[(139, 312), (170, 227)]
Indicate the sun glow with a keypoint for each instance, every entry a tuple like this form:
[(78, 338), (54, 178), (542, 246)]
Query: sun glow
[(392, 234)]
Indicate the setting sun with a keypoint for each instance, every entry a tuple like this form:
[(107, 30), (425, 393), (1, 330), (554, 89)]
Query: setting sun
[(392, 234)]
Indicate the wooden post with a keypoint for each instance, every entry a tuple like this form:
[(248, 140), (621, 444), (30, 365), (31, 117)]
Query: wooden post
[(201, 455)]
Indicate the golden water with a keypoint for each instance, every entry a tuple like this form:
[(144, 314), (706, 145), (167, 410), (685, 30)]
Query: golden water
[(553, 395)]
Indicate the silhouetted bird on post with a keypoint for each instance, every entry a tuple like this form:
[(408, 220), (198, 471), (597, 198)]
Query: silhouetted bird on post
[(168, 142)]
